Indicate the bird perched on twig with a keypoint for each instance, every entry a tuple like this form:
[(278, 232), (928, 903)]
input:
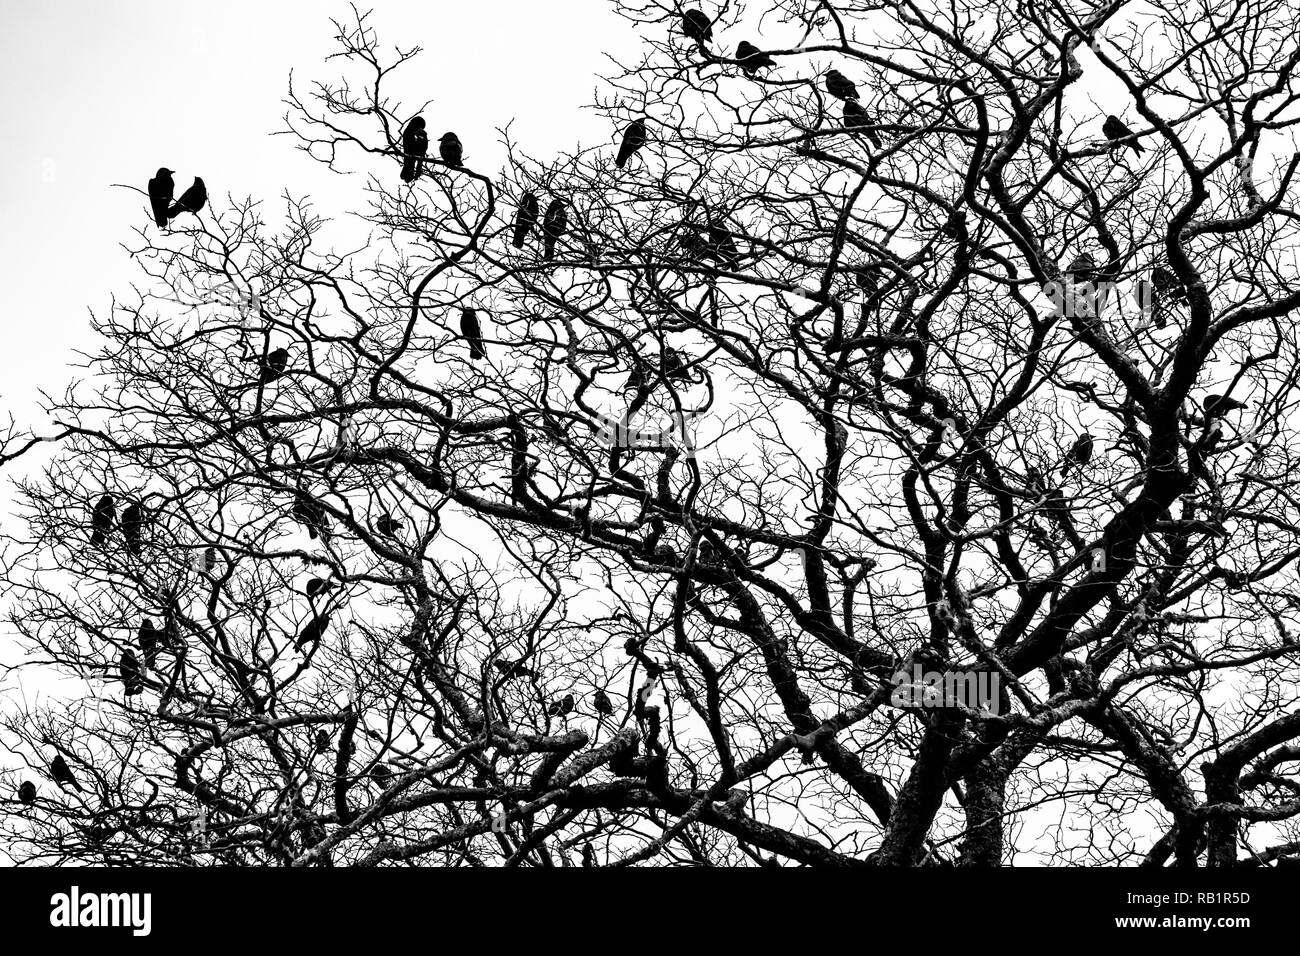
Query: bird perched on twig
[(634, 137), (588, 855), (312, 515), (562, 707), (415, 146), (1216, 406), (450, 150), (1080, 452), (721, 246), (161, 189), (149, 638), (840, 86), (855, 117), (513, 670), (472, 333), (62, 773), (133, 526), (273, 366), (101, 519), (601, 702), (191, 200), (317, 586), (1083, 266), (128, 667), (386, 524), (554, 223), (697, 26), (1115, 130), (27, 792), (751, 58), (525, 219), (314, 631)]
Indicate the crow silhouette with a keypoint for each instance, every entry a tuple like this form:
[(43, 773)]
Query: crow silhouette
[(101, 520), (273, 366), (697, 26), (27, 792), (450, 150), (1080, 452), (840, 86), (61, 773), (415, 146), (751, 58), (317, 586), (562, 707), (1216, 406), (192, 200), (149, 637), (525, 219), (128, 666), (855, 117), (161, 189), (314, 631), (601, 702), (386, 524), (472, 333), (133, 526), (554, 223), (312, 515), (1115, 130), (633, 139)]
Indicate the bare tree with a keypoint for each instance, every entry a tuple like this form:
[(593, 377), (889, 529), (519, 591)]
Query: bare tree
[(835, 384)]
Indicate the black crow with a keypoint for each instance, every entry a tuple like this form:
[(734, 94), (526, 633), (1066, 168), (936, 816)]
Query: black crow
[(386, 524), (697, 26), (61, 773), (512, 670), (751, 58), (191, 200), (840, 86), (1080, 452), (525, 219), (601, 702), (633, 139), (273, 366), (210, 560), (554, 223), (322, 741), (588, 855), (472, 333), (161, 190), (314, 631), (133, 526), (312, 515), (27, 792), (381, 774), (101, 519), (855, 117), (1167, 284), (317, 586), (449, 149), (129, 669), (149, 637), (721, 246), (562, 707), (415, 146), (1083, 266), (1216, 406), (1115, 130)]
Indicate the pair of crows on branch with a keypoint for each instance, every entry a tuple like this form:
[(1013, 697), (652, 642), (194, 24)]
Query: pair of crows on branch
[(61, 774), (161, 189), (415, 147)]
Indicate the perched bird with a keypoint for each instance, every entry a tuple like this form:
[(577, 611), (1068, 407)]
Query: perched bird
[(449, 149), (633, 139), (525, 219), (133, 526), (840, 86), (273, 366), (721, 246), (314, 631), (562, 707), (1216, 406), (128, 666), (856, 117), (751, 58), (317, 586), (27, 792), (210, 560), (1083, 265), (191, 200), (697, 26), (472, 333), (602, 703), (1080, 452), (61, 773), (1115, 130), (312, 515), (149, 637), (322, 741), (415, 146), (387, 524), (554, 223), (693, 241), (1166, 284), (675, 365), (161, 190), (101, 519), (588, 855), (513, 670), (381, 774)]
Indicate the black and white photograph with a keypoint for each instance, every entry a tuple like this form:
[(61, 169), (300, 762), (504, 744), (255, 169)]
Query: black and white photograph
[(850, 441)]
